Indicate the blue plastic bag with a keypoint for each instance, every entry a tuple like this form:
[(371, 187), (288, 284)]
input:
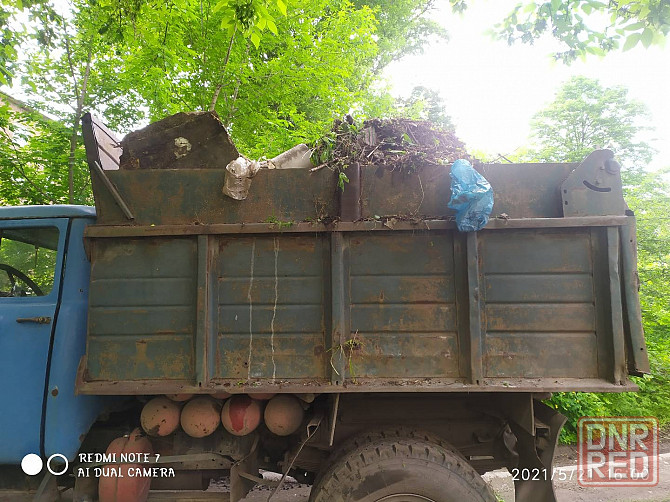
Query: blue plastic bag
[(471, 197)]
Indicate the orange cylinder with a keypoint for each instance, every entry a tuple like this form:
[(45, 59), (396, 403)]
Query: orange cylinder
[(283, 414), (201, 416), (117, 485), (160, 416)]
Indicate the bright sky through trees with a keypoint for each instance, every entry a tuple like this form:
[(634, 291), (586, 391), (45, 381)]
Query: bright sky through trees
[(491, 90)]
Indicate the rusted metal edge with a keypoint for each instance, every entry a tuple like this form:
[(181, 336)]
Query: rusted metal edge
[(148, 387), (343, 226), (333, 418), (618, 342), (97, 169), (571, 221), (80, 378), (638, 361), (201, 347)]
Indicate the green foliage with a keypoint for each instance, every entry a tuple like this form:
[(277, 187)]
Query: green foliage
[(578, 24), (276, 72), (37, 262), (402, 28), (14, 32), (586, 116), (277, 223), (280, 86), (425, 104), (34, 153), (341, 180)]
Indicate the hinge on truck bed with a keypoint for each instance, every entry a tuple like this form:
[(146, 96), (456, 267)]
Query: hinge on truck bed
[(594, 187)]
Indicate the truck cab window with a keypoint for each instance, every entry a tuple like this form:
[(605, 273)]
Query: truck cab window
[(27, 261)]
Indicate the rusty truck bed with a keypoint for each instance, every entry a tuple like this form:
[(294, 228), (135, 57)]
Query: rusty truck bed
[(193, 292)]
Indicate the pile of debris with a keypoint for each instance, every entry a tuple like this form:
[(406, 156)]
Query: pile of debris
[(199, 140), (402, 145)]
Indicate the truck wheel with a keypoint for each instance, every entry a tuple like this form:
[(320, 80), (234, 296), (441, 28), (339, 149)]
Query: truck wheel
[(401, 470), (374, 435)]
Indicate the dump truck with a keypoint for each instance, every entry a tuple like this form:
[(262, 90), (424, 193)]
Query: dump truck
[(353, 339)]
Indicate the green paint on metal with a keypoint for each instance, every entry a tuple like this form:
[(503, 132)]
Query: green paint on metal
[(202, 293)]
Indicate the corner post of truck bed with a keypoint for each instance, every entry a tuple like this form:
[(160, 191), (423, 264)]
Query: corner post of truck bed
[(594, 188), (205, 336), (638, 360), (339, 326), (475, 315), (618, 344)]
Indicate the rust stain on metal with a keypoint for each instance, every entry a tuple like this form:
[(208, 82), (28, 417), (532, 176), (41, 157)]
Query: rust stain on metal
[(534, 291), (141, 354)]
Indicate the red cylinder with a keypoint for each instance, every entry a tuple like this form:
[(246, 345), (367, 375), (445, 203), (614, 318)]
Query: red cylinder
[(241, 415)]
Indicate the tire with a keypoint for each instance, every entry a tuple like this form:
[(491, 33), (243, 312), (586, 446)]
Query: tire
[(371, 436), (401, 470)]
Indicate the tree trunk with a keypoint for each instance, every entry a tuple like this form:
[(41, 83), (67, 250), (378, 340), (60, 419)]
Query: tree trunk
[(81, 98), (215, 97)]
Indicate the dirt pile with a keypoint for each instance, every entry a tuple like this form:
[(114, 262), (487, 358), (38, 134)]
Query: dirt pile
[(393, 144)]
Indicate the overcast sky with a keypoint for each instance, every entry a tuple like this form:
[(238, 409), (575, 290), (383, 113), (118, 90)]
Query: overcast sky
[(491, 90)]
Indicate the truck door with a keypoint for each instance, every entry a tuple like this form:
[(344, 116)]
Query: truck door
[(31, 261)]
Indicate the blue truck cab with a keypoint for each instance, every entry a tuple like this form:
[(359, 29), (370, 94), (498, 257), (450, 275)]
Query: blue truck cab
[(44, 278)]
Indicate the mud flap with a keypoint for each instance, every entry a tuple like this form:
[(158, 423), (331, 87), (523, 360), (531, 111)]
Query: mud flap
[(536, 453), (240, 481)]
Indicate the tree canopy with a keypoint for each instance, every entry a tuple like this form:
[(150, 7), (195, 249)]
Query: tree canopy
[(585, 116), (277, 73), (589, 26)]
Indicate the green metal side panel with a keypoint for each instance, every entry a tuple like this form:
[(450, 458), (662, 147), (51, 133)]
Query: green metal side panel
[(142, 309), (539, 316), (356, 310), (402, 301), (271, 307), (527, 190), (201, 293)]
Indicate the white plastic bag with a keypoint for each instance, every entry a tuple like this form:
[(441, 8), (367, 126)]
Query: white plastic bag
[(239, 173)]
